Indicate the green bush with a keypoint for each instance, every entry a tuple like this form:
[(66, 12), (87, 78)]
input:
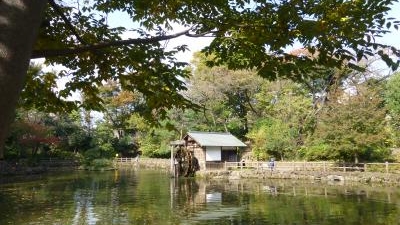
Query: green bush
[(101, 163), (90, 155), (318, 151), (58, 153)]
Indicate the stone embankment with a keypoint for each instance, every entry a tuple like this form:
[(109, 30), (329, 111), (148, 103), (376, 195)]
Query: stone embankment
[(150, 163), (24, 168), (361, 177), (337, 176)]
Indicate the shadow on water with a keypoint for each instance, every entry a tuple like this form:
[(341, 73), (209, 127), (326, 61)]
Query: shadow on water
[(152, 197)]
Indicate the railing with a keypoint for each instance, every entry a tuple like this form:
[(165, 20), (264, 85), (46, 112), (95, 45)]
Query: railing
[(314, 166), (126, 160), (245, 165), (324, 166)]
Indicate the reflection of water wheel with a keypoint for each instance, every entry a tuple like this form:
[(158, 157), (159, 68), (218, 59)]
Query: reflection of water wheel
[(187, 164)]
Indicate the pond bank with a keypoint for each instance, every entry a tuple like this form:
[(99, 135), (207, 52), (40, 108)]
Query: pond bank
[(164, 164), (24, 168), (330, 176), (341, 177)]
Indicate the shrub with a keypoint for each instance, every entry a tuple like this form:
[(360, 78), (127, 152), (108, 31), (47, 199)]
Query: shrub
[(101, 163)]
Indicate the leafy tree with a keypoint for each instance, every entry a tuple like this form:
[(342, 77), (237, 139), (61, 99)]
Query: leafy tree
[(247, 35), (31, 134), (285, 120), (104, 140), (153, 141), (73, 135), (273, 138), (119, 105), (392, 100), (40, 89), (255, 35), (353, 127), (225, 96)]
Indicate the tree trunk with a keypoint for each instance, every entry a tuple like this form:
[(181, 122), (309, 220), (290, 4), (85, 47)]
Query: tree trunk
[(19, 25)]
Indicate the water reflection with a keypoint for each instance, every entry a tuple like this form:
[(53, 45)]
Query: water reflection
[(152, 197), (84, 209), (288, 202), (204, 202), (215, 197)]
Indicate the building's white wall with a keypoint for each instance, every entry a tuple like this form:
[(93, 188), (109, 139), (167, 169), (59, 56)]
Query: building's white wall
[(213, 153)]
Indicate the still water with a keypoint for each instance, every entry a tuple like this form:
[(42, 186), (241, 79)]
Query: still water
[(152, 197)]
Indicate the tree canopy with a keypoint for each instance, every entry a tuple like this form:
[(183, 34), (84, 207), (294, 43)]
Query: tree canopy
[(247, 34)]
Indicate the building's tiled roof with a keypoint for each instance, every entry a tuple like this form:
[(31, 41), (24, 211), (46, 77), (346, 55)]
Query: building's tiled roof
[(215, 139)]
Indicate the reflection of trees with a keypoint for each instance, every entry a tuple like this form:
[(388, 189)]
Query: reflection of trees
[(283, 202), (84, 208), (129, 197), (307, 203)]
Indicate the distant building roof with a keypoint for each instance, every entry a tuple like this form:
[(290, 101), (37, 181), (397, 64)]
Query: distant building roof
[(215, 139)]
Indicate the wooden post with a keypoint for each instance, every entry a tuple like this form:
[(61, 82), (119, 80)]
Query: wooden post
[(365, 167), (387, 166), (226, 168), (172, 168), (324, 166)]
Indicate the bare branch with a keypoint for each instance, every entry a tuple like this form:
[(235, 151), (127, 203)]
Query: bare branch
[(248, 100)]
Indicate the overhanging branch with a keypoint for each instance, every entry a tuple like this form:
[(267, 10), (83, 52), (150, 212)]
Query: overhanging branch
[(42, 53), (66, 21)]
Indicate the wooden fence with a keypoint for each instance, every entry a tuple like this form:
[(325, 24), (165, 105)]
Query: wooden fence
[(310, 166), (324, 166), (126, 160)]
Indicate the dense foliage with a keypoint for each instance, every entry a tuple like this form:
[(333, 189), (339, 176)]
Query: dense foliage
[(147, 80), (247, 35), (283, 119)]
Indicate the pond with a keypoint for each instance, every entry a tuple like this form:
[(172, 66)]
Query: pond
[(152, 197)]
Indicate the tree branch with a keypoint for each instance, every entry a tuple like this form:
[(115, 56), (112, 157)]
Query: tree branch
[(101, 45), (202, 34), (66, 21)]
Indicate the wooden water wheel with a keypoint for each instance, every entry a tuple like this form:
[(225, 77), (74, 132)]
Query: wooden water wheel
[(185, 163)]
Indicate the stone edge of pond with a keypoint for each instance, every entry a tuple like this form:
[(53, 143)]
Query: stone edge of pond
[(331, 176), (14, 169), (340, 177)]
